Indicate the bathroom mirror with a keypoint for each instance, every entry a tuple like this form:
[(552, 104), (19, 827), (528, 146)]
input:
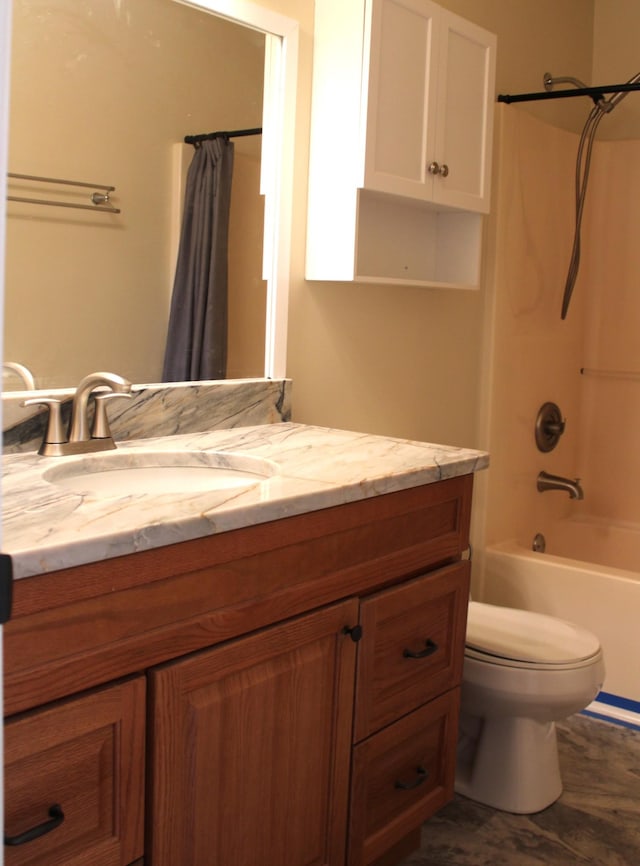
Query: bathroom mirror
[(104, 92)]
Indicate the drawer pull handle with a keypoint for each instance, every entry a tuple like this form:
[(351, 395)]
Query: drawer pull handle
[(421, 777), (57, 817), (430, 647)]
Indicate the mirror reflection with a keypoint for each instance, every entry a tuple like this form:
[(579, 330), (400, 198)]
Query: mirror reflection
[(105, 93)]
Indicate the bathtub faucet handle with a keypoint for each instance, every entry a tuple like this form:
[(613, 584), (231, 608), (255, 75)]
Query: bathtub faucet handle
[(549, 426), (555, 428)]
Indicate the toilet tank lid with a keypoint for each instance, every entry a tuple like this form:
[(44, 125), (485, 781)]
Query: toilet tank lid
[(525, 636)]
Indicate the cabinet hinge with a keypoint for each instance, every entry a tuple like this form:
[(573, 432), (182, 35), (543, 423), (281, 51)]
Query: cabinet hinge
[(355, 632), (6, 586)]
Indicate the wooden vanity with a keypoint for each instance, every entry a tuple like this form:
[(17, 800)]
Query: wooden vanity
[(284, 694)]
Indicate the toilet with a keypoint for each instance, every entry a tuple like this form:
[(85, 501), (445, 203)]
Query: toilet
[(523, 672)]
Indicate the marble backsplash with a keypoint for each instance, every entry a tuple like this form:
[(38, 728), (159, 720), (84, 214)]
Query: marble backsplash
[(164, 409)]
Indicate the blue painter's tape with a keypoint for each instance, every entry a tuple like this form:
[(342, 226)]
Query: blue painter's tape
[(615, 709), (617, 701)]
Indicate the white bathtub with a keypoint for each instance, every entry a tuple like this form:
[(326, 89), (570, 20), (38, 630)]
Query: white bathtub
[(571, 581)]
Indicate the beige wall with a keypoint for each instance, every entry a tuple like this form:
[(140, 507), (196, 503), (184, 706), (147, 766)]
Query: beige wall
[(535, 37), (407, 361), (616, 59), (432, 365), (101, 96)]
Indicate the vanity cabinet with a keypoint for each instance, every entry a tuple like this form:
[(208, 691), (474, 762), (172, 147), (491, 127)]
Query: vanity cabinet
[(301, 680), (401, 137)]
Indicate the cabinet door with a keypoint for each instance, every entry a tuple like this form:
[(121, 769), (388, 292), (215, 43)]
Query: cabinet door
[(76, 770), (429, 105), (465, 98), (400, 91), (250, 748)]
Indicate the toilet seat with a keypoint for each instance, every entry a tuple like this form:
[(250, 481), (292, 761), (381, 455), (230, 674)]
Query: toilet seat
[(520, 638)]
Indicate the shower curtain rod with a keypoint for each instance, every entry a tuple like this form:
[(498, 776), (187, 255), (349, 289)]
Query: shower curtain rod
[(208, 136), (593, 92)]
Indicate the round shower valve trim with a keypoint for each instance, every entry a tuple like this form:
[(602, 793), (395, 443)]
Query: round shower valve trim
[(549, 427)]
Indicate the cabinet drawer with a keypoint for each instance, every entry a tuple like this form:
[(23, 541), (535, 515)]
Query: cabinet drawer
[(85, 756), (401, 776), (412, 647)]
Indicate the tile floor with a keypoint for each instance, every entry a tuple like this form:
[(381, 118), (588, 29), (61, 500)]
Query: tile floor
[(596, 821)]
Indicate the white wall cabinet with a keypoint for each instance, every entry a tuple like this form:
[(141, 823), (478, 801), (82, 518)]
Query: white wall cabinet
[(401, 132)]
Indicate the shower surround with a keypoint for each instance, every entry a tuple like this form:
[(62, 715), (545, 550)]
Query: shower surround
[(589, 364)]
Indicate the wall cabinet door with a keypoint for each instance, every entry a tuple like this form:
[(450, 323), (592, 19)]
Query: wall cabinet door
[(251, 746), (400, 94), (429, 99), (464, 105)]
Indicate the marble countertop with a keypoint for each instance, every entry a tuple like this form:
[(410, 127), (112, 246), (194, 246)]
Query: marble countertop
[(46, 527)]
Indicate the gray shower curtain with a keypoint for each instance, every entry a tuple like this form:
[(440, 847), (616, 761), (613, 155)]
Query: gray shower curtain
[(197, 335)]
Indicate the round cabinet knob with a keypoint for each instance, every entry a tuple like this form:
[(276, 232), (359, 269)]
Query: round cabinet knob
[(435, 168)]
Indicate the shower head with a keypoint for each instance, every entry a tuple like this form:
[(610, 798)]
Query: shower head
[(550, 82)]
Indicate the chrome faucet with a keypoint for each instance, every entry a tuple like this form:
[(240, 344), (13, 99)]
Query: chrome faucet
[(79, 441), (79, 429), (546, 481)]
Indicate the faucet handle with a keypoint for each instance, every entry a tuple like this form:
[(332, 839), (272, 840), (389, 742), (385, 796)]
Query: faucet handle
[(54, 434), (101, 429)]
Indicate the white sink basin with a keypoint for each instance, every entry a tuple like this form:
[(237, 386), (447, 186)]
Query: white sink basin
[(121, 473)]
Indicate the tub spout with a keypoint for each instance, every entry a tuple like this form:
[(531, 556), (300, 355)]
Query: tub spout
[(546, 481)]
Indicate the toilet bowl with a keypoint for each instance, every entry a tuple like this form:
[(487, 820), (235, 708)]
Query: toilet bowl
[(523, 672)]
